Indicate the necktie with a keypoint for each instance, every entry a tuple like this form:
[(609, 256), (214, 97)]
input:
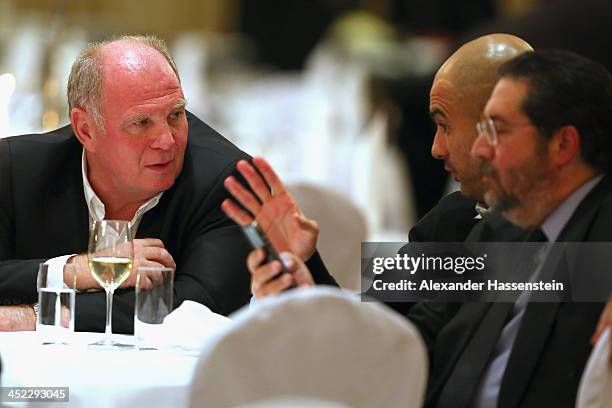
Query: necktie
[(532, 265), (460, 386), (537, 235), (463, 381)]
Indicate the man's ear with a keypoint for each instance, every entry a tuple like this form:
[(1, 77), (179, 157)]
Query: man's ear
[(565, 145), (84, 128)]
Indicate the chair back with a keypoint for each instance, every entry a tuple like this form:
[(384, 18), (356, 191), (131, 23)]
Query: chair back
[(317, 343)]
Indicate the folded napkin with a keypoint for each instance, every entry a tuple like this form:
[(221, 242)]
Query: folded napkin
[(188, 327)]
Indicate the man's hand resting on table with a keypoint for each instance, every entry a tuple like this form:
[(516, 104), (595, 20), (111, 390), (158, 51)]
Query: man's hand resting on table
[(147, 252)]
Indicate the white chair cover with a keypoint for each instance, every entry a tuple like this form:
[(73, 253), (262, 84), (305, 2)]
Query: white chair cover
[(595, 389), (314, 343), (343, 228), (294, 403)]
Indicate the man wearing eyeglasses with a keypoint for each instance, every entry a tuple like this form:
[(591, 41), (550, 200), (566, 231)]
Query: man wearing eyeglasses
[(545, 153), (460, 90)]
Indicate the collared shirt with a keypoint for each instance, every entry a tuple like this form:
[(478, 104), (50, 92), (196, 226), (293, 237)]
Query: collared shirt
[(97, 211), (555, 222), (96, 207), (488, 390), (482, 211)]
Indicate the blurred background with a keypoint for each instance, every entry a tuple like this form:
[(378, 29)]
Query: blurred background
[(334, 93)]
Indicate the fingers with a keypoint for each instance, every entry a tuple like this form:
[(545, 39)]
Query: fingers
[(255, 258), (144, 281), (155, 277), (130, 282), (234, 212), (276, 286), (306, 223), (151, 242), (147, 279), (263, 281), (269, 174), (242, 195), (266, 280), (257, 184), (148, 252), (310, 233), (158, 255), (300, 272)]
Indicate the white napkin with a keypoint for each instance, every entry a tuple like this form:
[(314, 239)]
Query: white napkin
[(187, 327)]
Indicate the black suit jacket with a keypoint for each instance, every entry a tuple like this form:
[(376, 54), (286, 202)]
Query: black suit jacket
[(553, 341), (451, 220), (43, 214)]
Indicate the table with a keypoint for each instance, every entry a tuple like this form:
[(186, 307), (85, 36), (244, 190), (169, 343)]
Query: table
[(130, 378)]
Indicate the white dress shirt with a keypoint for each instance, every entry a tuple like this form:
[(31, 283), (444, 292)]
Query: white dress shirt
[(96, 211), (487, 392)]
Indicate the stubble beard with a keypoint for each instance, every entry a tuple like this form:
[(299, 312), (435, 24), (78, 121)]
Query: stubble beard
[(528, 209)]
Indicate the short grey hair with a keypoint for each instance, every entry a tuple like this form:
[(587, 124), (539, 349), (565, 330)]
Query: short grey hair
[(85, 80)]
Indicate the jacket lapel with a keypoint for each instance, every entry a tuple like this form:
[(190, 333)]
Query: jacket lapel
[(530, 341), (455, 338), (66, 214), (539, 317)]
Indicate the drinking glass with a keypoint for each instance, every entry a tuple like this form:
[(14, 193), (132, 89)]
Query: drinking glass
[(154, 301), (56, 299), (110, 255)]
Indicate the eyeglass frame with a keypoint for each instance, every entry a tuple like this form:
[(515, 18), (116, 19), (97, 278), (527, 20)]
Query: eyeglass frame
[(491, 132), (487, 127)]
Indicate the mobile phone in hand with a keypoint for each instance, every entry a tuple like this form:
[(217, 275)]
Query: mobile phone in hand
[(258, 239)]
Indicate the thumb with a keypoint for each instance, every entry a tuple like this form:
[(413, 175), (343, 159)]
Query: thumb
[(300, 272), (306, 223)]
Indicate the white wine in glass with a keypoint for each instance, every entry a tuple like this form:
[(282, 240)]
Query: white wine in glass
[(110, 271), (110, 255)]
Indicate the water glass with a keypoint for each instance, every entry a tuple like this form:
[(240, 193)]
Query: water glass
[(56, 300), (154, 301)]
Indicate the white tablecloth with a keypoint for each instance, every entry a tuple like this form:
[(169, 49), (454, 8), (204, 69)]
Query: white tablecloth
[(96, 378)]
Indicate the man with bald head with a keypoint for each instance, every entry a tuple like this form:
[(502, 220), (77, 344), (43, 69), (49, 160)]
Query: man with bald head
[(458, 96), (543, 160), (132, 153), (459, 93)]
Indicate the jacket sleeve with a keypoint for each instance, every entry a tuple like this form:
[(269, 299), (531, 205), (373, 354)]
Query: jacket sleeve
[(17, 277)]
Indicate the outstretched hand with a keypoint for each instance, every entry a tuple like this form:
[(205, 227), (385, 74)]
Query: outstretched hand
[(274, 209)]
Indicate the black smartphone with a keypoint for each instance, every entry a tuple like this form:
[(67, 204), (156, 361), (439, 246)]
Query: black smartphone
[(258, 239)]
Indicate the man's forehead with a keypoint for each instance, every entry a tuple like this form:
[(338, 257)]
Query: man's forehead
[(136, 73), (507, 95), (130, 58), (442, 94)]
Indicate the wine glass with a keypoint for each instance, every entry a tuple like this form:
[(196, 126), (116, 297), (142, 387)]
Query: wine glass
[(110, 256)]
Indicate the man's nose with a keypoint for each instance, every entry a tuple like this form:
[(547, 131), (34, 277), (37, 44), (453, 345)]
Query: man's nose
[(482, 149), (163, 139), (438, 147)]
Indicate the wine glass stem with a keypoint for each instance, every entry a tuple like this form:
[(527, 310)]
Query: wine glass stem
[(109, 316)]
